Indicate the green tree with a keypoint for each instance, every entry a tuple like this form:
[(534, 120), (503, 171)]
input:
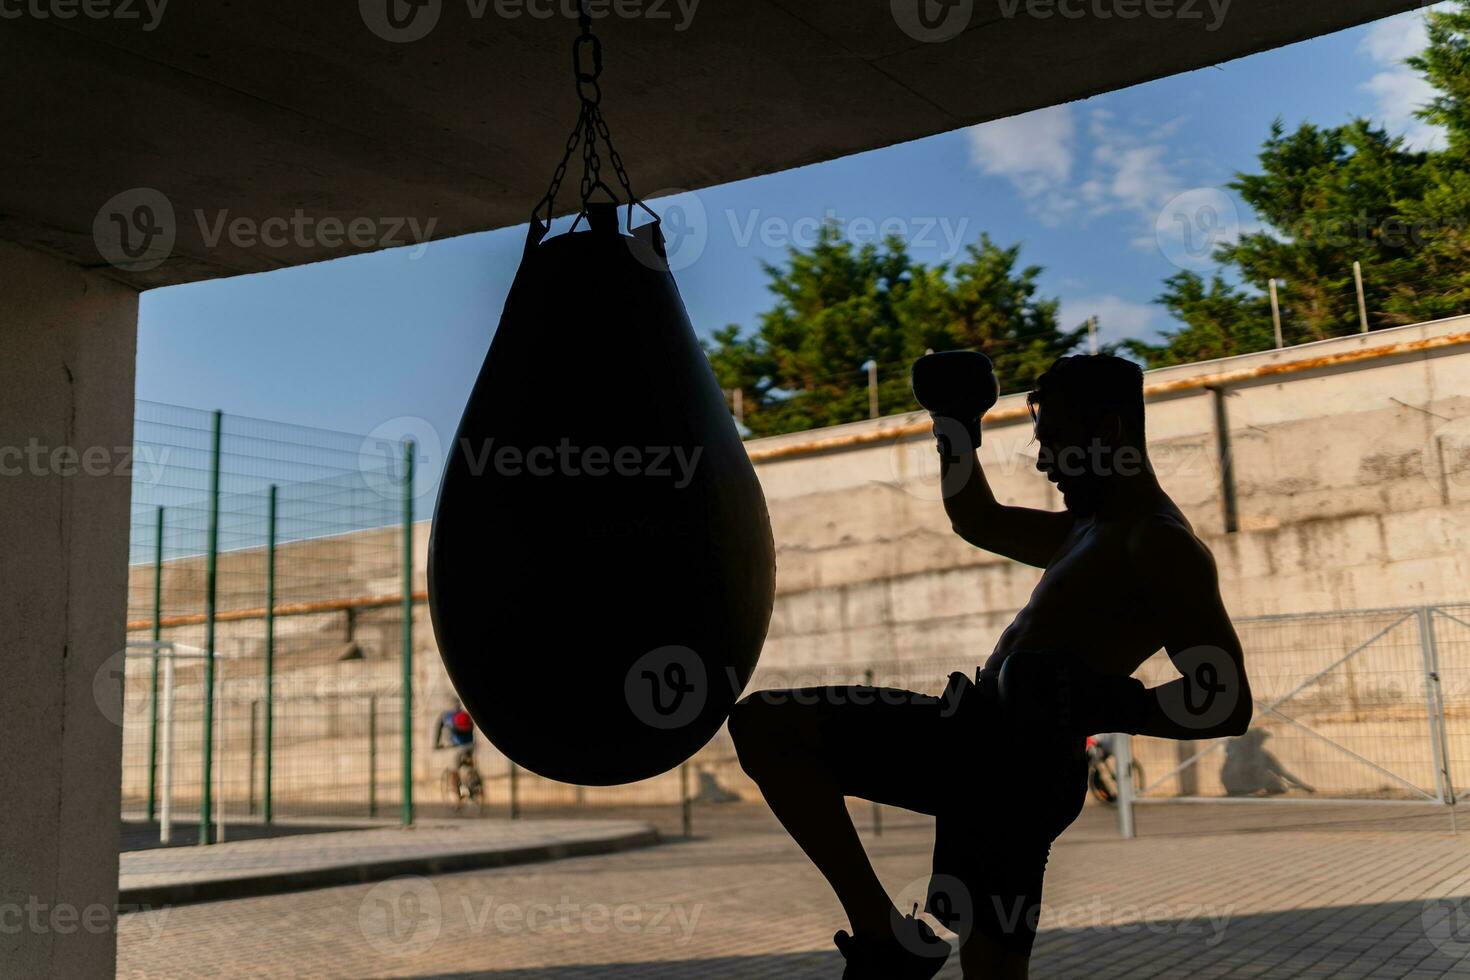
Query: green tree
[(1329, 197), (839, 305)]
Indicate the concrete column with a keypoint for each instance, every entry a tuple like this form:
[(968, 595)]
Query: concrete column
[(67, 346)]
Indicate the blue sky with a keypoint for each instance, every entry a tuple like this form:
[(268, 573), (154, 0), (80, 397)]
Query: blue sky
[(393, 340)]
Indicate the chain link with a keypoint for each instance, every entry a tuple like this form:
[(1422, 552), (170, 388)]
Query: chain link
[(590, 127)]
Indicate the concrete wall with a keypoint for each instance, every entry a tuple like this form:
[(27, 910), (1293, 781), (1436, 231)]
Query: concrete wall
[(67, 342), (1353, 488)]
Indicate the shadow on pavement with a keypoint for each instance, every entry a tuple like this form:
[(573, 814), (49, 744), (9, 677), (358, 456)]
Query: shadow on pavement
[(1415, 938), (140, 835)]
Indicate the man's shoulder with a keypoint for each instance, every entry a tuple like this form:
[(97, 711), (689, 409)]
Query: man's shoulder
[(1164, 538)]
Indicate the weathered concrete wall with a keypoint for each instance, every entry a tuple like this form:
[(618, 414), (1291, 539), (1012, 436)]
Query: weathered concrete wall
[(1353, 488), (67, 342)]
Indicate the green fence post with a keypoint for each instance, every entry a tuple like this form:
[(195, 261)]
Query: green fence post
[(267, 809), (407, 656), (211, 568), (254, 740), (372, 755), (157, 638), (686, 805)]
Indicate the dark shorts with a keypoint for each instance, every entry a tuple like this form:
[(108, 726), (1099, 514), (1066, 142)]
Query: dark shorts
[(999, 799)]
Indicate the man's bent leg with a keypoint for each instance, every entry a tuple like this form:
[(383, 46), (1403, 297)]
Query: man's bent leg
[(802, 747)]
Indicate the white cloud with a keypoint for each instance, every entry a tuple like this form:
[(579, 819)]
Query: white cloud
[(1138, 179), (1042, 155), (1036, 152), (1398, 91), (1117, 317)]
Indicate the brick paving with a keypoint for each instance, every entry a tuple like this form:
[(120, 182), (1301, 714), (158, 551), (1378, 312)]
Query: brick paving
[(1206, 892)]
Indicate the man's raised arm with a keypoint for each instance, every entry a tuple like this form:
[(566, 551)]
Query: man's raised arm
[(1024, 534), (958, 387), (1212, 698)]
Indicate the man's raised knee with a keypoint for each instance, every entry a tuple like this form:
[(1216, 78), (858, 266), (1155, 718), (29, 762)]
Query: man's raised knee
[(760, 728)]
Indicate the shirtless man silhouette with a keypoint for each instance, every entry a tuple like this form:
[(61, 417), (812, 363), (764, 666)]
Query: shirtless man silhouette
[(999, 761)]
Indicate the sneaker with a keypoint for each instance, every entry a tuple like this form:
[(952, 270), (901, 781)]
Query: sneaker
[(912, 953)]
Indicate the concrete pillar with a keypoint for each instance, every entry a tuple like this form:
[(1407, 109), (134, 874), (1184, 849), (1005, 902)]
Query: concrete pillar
[(67, 345)]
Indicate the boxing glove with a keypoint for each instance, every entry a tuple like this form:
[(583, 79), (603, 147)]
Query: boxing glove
[(1044, 691), (957, 388)]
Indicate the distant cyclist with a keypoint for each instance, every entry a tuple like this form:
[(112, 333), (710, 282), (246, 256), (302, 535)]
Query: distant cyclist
[(456, 731)]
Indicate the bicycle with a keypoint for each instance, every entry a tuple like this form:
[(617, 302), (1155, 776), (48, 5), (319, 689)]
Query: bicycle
[(462, 783), (1102, 772)]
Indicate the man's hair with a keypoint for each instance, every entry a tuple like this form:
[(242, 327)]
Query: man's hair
[(1093, 385)]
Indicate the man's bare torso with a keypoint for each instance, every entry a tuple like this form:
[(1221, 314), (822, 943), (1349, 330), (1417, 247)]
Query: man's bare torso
[(1090, 601)]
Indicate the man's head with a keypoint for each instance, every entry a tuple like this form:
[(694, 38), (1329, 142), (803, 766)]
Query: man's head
[(1088, 414)]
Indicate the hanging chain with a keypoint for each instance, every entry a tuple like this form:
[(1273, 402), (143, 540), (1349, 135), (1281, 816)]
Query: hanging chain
[(590, 127)]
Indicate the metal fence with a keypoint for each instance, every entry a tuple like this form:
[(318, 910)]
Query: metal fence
[(1365, 706), (269, 565)]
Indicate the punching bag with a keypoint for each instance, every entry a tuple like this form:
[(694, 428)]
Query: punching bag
[(601, 569)]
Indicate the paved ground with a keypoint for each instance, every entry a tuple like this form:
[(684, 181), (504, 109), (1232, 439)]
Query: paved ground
[(1207, 892), (142, 835), (267, 866)]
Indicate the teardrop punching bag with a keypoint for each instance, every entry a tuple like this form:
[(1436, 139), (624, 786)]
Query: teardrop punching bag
[(601, 569)]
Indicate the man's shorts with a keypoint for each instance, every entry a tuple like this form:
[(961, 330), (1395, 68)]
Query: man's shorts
[(999, 799)]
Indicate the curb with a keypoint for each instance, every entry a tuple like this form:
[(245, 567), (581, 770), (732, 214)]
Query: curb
[(284, 882)]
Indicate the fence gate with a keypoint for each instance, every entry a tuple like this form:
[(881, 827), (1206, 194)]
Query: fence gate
[(1351, 705)]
